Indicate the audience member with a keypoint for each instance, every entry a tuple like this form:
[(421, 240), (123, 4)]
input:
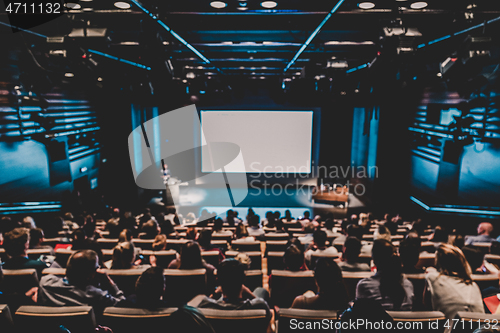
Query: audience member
[(205, 241), (149, 290), (123, 257), (254, 228), (36, 240), (16, 244), (288, 216), (319, 247), (484, 231), (234, 296), (84, 284), (293, 259), (29, 223), (387, 286), (409, 251), (150, 229), (350, 256), (331, 291), (450, 288)]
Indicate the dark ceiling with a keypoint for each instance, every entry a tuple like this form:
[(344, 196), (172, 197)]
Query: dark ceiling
[(245, 39)]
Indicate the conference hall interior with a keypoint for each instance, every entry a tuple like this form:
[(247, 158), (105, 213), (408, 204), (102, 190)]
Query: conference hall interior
[(249, 166)]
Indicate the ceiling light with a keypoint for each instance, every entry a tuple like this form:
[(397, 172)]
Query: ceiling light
[(262, 77), (99, 79), (165, 42), (122, 5), (218, 4), (85, 0), (418, 5), (366, 5), (269, 4), (72, 5), (69, 74), (87, 9), (190, 75), (184, 81), (242, 8)]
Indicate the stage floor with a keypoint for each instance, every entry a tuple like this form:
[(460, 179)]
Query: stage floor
[(194, 199)]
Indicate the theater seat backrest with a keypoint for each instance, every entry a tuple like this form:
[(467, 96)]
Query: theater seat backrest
[(473, 321), (293, 320), (241, 321), (77, 319), (163, 258), (19, 280), (6, 322), (418, 321), (126, 320), (286, 285), (184, 284), (62, 256), (125, 279)]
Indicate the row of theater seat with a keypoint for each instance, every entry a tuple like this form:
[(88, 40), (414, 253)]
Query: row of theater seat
[(182, 285), (81, 319)]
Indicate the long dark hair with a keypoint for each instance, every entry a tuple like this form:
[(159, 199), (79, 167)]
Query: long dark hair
[(390, 270), (191, 256)]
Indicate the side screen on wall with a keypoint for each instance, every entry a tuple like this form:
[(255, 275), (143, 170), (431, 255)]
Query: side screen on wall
[(270, 141)]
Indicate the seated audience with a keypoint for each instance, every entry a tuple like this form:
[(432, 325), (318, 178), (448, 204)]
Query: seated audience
[(82, 242), (149, 290), (123, 257), (128, 222), (387, 286), (484, 231), (331, 291), (288, 216), (29, 223), (475, 258), (205, 241), (36, 240), (190, 258), (450, 288), (189, 319), (307, 238), (233, 294), (293, 259), (125, 236), (254, 229), (217, 228), (319, 247), (84, 284), (350, 256), (409, 252), (16, 244), (242, 232), (440, 235), (382, 232), (150, 229)]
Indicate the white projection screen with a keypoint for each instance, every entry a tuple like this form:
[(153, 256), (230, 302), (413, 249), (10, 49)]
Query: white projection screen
[(270, 141)]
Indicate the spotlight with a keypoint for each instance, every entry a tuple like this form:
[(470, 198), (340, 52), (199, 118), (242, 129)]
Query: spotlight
[(218, 4), (366, 5), (69, 74), (418, 5), (74, 6), (269, 4), (122, 5)]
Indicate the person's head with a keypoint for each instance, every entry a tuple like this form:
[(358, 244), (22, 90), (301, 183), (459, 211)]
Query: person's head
[(123, 255), (474, 257), (293, 258), (16, 242), (113, 227), (254, 221), (28, 222), (329, 224), (159, 243), (484, 228), (279, 225), (451, 261), (189, 319), (218, 223), (382, 232), (190, 217), (241, 231), (409, 252), (288, 214), (150, 286), (150, 229), (7, 224), (191, 256), (81, 267), (319, 237), (327, 274), (205, 238), (351, 249), (68, 216), (354, 230), (308, 228), (307, 214), (354, 218), (79, 235), (440, 235), (382, 250), (125, 236), (231, 275), (36, 237)]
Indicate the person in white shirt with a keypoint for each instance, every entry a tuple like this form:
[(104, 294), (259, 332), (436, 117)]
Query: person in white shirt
[(318, 247)]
